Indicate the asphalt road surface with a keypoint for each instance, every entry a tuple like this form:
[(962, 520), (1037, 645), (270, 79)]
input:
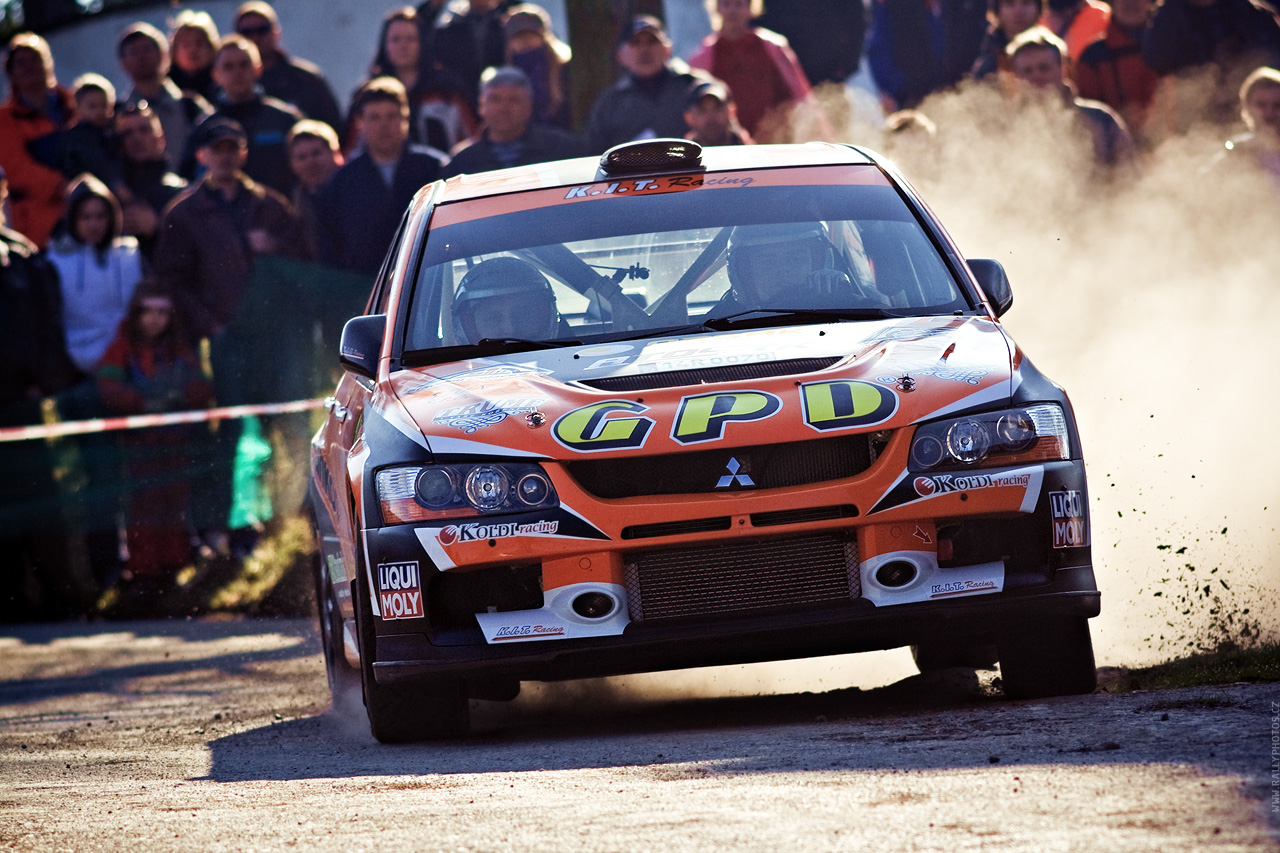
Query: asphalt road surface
[(210, 736)]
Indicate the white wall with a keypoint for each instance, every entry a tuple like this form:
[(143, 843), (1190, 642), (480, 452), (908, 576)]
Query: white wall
[(337, 35)]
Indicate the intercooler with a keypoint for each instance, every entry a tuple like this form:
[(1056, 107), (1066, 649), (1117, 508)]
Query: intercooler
[(739, 577)]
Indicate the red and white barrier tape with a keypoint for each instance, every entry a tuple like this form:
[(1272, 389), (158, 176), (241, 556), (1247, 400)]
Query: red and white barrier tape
[(26, 433)]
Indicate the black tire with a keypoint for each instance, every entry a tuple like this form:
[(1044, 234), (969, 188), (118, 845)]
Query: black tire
[(343, 679), (933, 655), (1055, 659), (411, 711)]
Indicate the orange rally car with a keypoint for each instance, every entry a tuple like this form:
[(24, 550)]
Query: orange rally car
[(678, 407)]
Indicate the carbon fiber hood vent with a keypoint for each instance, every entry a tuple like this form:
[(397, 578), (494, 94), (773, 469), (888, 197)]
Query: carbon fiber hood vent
[(706, 376)]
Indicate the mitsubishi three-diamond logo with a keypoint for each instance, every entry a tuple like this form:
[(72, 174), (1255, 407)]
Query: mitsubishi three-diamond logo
[(734, 467)]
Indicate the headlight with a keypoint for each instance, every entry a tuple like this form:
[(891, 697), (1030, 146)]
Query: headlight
[(427, 492), (1031, 434)]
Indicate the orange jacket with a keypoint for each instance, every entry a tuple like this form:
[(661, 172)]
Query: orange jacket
[(1087, 26), (29, 152)]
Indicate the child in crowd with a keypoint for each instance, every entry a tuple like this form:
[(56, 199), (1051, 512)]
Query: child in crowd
[(97, 267), (151, 367), (90, 145)]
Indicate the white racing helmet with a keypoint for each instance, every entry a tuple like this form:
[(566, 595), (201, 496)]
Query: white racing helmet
[(518, 286), (746, 238)]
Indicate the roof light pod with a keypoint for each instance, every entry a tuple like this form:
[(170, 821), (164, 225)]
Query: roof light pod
[(651, 155)]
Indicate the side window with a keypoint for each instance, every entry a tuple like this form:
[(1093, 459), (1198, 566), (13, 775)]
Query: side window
[(382, 284)]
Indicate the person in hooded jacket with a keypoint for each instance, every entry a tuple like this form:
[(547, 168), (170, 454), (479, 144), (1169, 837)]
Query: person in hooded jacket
[(97, 267), (98, 271), (533, 48)]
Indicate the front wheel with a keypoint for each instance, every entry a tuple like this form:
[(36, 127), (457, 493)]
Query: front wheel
[(1055, 659), (407, 712), (342, 678)]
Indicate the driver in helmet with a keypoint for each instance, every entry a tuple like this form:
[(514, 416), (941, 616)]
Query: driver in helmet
[(505, 298), (784, 265)]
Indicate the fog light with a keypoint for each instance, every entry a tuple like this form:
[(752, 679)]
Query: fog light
[(593, 605), (895, 573)]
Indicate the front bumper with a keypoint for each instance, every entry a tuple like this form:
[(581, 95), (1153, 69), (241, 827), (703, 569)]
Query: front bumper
[(1042, 575), (840, 629)]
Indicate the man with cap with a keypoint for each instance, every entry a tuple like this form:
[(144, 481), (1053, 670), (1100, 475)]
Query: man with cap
[(292, 80), (210, 237), (649, 100), (712, 117), (212, 231), (510, 138)]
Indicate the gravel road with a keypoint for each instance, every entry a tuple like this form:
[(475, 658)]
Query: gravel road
[(209, 736)]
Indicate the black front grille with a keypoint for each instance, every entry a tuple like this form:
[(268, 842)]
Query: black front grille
[(676, 528), (765, 466), (739, 577), (731, 373), (801, 516)]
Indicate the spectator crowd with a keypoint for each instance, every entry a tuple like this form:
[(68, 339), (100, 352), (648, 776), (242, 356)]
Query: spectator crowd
[(148, 236)]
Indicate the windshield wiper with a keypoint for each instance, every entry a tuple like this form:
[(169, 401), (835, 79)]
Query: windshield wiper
[(789, 316), (517, 344), (485, 347), (762, 317)]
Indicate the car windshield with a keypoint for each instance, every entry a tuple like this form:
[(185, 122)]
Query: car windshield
[(634, 258)]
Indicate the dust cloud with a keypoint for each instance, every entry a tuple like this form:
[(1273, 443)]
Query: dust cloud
[(1153, 299)]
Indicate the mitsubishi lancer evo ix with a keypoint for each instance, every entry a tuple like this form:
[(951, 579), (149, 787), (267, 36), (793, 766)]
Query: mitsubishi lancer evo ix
[(678, 407)]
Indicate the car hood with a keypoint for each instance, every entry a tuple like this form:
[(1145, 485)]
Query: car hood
[(736, 388)]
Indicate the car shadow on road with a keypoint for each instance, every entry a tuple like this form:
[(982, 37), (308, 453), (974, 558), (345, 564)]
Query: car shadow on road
[(583, 725), (116, 680)]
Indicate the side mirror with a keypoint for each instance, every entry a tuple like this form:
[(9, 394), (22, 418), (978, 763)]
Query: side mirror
[(362, 344), (994, 282)]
